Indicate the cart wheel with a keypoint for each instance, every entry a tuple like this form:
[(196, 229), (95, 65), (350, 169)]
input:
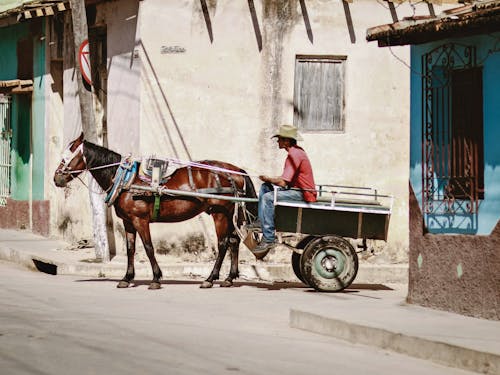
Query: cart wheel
[(329, 264), (296, 266)]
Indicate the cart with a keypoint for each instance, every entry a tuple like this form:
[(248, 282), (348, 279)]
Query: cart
[(323, 257), (318, 232)]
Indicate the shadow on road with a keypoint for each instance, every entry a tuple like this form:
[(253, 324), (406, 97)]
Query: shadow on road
[(353, 288)]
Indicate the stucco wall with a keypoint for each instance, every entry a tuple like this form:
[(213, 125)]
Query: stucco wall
[(218, 84), (454, 273), (215, 83)]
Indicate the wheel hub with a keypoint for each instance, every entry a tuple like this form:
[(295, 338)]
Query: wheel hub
[(329, 263)]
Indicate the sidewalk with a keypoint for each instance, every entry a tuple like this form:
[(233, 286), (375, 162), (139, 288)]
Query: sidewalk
[(371, 312)]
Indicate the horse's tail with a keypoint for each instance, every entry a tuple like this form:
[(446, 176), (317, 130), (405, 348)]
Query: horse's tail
[(250, 193)]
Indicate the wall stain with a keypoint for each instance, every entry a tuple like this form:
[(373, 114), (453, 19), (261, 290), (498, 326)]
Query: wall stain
[(278, 19)]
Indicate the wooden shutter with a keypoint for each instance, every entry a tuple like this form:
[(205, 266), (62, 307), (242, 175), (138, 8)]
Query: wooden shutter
[(319, 94)]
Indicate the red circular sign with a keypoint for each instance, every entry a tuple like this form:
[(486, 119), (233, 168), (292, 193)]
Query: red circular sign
[(84, 60)]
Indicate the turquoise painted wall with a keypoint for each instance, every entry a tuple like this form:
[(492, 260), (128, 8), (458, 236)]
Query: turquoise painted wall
[(8, 45), (28, 114), (488, 56), (38, 117)]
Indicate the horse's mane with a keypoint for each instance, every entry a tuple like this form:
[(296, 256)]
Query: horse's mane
[(97, 156)]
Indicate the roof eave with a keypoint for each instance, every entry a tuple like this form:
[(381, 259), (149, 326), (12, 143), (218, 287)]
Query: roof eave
[(424, 32)]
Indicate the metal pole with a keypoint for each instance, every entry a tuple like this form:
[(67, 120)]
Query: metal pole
[(161, 190)]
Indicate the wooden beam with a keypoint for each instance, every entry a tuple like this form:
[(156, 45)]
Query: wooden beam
[(392, 10), (431, 9), (16, 86), (98, 207), (80, 33)]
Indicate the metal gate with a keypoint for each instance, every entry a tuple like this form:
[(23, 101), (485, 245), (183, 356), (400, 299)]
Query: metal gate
[(5, 141)]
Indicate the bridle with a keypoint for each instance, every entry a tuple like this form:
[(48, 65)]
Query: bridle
[(67, 158)]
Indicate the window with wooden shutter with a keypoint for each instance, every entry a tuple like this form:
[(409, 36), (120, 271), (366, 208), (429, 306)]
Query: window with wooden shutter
[(319, 93)]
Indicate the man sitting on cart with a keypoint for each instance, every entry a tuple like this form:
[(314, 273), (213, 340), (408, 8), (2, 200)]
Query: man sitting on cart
[(296, 183)]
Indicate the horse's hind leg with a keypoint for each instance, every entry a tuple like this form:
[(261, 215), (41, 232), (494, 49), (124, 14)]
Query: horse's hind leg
[(130, 234), (214, 275), (234, 244), (143, 229)]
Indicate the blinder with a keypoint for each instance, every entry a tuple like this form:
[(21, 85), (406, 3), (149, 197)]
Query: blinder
[(67, 158)]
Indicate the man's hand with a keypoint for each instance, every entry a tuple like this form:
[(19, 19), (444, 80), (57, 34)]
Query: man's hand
[(273, 180)]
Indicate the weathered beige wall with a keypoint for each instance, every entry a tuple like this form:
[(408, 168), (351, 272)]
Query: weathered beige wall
[(223, 89), (69, 207), (216, 85)]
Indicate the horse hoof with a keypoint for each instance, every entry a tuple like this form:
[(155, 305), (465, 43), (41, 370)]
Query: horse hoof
[(206, 284), (154, 285), (123, 284), (226, 284)]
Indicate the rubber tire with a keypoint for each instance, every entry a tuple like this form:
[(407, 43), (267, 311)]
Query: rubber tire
[(335, 249), (296, 266)]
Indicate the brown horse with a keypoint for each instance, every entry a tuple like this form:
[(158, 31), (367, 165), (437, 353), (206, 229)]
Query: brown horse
[(136, 210)]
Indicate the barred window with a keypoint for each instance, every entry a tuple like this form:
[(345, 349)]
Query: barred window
[(452, 139)]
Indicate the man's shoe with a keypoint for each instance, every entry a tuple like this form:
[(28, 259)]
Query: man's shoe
[(261, 250)]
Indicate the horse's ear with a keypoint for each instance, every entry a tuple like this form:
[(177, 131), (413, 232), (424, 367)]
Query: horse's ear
[(80, 138)]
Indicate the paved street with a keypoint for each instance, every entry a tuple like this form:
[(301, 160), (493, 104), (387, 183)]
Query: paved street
[(72, 325)]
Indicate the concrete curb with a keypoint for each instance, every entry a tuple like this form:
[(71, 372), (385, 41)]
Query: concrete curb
[(435, 351), (18, 257), (64, 265)]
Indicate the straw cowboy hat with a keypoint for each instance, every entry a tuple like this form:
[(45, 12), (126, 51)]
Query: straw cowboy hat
[(288, 131)]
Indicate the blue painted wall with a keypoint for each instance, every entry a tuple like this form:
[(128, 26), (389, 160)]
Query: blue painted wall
[(488, 56)]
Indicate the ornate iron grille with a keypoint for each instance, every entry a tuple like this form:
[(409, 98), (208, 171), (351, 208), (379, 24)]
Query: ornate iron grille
[(452, 144)]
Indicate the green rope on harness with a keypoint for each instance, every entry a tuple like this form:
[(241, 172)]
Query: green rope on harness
[(156, 208)]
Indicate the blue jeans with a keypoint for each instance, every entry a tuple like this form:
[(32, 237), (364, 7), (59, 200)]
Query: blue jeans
[(266, 207)]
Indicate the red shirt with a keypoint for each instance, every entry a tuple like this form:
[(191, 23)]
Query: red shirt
[(298, 173)]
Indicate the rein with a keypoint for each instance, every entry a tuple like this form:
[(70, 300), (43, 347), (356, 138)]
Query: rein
[(90, 169), (68, 156)]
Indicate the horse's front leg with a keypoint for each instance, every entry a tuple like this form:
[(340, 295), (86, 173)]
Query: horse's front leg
[(142, 227), (130, 235)]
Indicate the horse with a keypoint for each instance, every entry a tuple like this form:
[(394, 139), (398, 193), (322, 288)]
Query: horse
[(137, 211)]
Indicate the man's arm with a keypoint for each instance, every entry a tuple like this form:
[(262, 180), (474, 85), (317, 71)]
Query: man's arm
[(274, 180)]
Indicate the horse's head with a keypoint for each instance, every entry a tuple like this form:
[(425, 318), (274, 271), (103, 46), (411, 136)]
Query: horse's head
[(72, 164)]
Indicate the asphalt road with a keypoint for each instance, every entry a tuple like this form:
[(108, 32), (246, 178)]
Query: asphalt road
[(70, 325)]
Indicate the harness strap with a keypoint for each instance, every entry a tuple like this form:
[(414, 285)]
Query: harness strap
[(217, 181), (115, 189), (156, 208), (123, 179), (190, 176), (217, 190)]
